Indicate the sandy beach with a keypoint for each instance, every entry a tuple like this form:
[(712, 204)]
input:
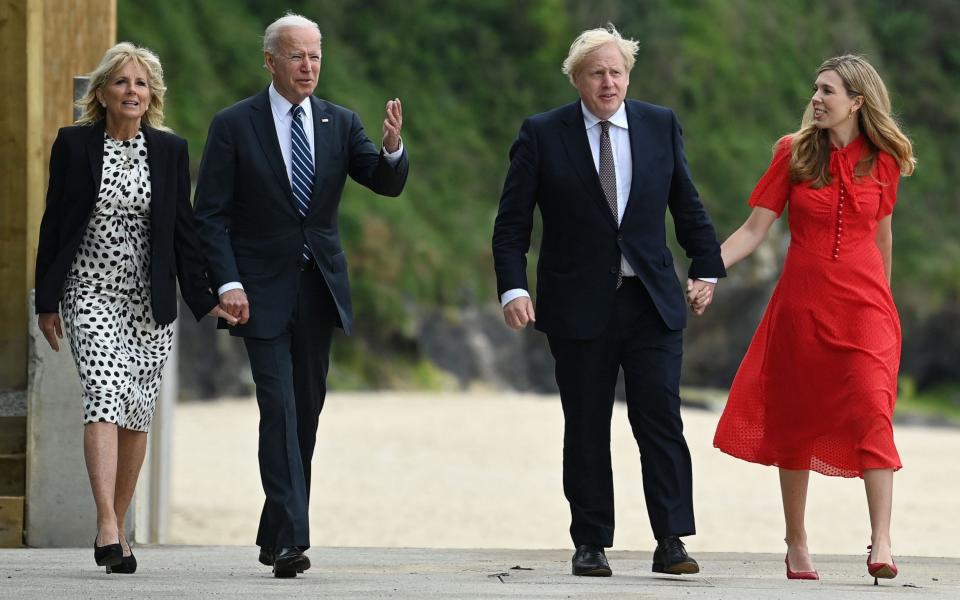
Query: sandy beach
[(483, 470)]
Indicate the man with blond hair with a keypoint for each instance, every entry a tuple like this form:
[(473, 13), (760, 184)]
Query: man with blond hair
[(603, 171), (267, 197)]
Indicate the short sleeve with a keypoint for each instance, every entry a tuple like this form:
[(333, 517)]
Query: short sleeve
[(888, 172), (773, 189)]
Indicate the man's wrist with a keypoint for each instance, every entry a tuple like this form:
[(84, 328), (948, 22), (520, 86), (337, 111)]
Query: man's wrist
[(510, 295), (233, 285)]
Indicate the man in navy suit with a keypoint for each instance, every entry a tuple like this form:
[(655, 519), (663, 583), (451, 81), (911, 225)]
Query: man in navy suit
[(603, 172), (267, 197)]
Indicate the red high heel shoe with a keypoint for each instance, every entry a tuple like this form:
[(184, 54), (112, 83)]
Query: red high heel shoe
[(810, 575), (880, 570)]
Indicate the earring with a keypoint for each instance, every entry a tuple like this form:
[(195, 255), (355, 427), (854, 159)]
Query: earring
[(103, 104)]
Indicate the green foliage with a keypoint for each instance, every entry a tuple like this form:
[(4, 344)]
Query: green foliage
[(942, 402), (737, 72)]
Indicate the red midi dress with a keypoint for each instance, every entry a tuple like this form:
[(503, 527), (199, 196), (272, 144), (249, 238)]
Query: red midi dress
[(817, 387)]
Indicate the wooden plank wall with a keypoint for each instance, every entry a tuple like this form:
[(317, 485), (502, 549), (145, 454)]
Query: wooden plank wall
[(44, 43)]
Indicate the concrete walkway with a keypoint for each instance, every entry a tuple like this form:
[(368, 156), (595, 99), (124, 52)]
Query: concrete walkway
[(188, 572)]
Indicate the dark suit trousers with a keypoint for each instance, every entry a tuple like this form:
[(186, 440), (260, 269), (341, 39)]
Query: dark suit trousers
[(290, 373), (637, 340)]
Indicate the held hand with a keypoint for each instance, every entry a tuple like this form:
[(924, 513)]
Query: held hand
[(699, 295), (218, 313), (49, 324), (234, 302), (392, 125), (518, 312)]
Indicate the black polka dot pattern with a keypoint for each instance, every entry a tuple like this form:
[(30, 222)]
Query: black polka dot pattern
[(119, 349)]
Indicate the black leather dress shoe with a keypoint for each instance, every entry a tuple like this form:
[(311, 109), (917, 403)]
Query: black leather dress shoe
[(289, 561), (590, 561), (671, 557), (266, 557)]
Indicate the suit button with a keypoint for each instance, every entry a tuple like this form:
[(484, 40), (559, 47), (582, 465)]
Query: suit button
[(614, 270), (619, 237)]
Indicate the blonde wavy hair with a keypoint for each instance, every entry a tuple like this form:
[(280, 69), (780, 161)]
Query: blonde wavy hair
[(115, 58), (593, 39), (810, 147)]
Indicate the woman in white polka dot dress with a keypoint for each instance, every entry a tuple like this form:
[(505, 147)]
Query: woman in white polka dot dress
[(116, 235)]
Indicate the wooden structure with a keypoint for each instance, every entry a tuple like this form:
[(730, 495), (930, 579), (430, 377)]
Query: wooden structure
[(44, 43)]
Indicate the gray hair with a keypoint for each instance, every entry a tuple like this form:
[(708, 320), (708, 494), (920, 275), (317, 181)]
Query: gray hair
[(271, 36), (591, 40)]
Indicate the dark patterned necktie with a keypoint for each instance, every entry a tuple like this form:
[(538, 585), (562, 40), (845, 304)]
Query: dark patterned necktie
[(302, 170), (608, 179)]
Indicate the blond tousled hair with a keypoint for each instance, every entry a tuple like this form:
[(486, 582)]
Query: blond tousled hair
[(115, 58), (810, 146), (593, 39)]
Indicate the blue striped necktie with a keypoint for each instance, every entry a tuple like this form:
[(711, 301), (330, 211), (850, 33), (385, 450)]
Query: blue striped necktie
[(302, 170)]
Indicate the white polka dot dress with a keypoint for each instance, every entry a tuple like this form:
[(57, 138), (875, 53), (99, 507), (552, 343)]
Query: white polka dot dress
[(119, 349)]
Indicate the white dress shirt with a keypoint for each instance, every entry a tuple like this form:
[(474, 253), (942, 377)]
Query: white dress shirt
[(282, 122)]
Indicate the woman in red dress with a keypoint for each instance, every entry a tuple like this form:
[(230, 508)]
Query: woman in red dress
[(817, 387)]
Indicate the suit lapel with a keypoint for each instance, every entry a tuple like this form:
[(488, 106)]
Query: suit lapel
[(641, 153), (574, 137), (157, 158), (261, 117), (322, 147), (95, 153)]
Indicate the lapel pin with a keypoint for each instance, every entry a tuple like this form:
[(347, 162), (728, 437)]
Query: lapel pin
[(324, 120)]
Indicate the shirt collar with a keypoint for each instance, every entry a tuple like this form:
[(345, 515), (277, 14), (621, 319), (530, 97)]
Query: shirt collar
[(281, 106), (619, 118)]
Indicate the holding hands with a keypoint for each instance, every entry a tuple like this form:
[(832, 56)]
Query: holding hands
[(699, 295), (218, 313), (52, 327), (234, 307), (392, 125)]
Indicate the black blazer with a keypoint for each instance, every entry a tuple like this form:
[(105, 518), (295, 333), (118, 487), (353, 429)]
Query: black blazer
[(249, 224), (551, 167), (76, 163)]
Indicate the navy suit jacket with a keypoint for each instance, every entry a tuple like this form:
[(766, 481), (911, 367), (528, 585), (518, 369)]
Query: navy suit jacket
[(249, 223), (76, 164), (551, 167)]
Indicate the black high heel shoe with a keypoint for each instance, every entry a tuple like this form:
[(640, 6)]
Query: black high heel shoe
[(128, 565), (107, 556)]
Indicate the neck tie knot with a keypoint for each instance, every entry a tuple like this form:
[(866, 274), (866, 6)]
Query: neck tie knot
[(297, 111), (605, 126)]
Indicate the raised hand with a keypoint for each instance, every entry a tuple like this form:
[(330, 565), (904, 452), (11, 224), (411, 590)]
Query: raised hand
[(234, 302), (519, 312), (49, 324), (392, 125)]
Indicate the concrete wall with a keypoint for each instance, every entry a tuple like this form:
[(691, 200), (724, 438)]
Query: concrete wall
[(59, 504)]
